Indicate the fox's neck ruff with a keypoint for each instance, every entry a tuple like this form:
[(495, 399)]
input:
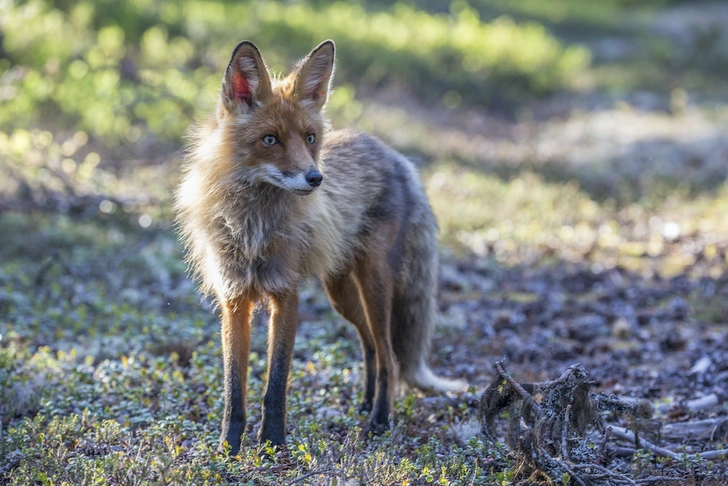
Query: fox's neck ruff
[(258, 218), (254, 237)]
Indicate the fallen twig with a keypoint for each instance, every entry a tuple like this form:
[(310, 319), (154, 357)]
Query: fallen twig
[(703, 403), (605, 473), (655, 479), (624, 434), (714, 429)]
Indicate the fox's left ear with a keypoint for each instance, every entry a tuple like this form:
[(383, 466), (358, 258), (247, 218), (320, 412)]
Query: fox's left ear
[(313, 81)]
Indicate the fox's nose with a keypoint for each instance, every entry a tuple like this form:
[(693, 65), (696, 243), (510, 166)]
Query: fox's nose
[(314, 178)]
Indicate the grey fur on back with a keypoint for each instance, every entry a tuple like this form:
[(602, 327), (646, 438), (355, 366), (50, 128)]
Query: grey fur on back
[(395, 193)]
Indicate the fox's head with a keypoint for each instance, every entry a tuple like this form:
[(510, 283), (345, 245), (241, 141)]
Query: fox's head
[(276, 126)]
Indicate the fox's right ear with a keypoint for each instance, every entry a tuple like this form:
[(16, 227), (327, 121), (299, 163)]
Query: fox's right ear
[(246, 79)]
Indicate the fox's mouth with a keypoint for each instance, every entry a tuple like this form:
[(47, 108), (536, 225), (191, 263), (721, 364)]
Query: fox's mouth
[(303, 192), (296, 183)]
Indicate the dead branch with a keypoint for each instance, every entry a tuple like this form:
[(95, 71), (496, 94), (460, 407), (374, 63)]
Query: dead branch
[(525, 396), (565, 433), (703, 403), (713, 429), (603, 473), (549, 439), (624, 434), (657, 479)]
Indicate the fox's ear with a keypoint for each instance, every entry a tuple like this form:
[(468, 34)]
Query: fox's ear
[(313, 81), (246, 79)]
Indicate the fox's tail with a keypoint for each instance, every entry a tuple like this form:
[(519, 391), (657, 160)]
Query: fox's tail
[(415, 323), (414, 310), (426, 379)]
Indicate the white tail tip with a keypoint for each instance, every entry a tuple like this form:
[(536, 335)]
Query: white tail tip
[(425, 378)]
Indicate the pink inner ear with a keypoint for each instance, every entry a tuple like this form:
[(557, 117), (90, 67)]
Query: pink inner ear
[(317, 91), (242, 88)]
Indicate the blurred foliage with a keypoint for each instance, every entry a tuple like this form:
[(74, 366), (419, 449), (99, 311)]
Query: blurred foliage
[(571, 12), (540, 222), (120, 69)]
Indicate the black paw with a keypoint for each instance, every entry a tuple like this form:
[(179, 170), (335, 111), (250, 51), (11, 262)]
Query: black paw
[(230, 439), (268, 437), (365, 407), (375, 428), (226, 447)]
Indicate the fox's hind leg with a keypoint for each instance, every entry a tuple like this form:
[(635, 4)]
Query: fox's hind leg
[(344, 297), (374, 280)]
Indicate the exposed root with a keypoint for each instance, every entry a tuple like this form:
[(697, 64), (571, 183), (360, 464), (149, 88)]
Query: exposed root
[(548, 423)]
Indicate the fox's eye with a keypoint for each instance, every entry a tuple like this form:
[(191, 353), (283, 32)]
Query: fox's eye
[(311, 138), (270, 140)]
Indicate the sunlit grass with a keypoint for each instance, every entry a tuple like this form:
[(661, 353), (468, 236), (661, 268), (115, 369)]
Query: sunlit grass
[(529, 219)]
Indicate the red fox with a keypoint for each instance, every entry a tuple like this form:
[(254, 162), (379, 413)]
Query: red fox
[(269, 196)]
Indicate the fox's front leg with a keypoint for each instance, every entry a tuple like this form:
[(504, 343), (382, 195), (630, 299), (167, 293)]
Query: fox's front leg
[(281, 336), (235, 333)]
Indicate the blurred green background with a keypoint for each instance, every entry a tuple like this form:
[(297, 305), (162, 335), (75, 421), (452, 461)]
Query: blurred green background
[(121, 70), (91, 91), (96, 96), (592, 132)]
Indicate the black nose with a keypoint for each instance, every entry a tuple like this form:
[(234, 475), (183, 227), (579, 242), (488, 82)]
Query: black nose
[(314, 178)]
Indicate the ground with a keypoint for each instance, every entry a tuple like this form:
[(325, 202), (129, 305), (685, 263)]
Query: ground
[(586, 226)]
